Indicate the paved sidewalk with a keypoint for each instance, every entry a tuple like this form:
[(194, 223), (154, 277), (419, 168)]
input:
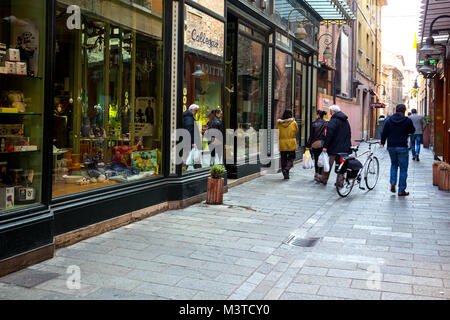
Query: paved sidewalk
[(373, 245)]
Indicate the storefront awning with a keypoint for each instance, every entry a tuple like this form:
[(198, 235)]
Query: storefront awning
[(332, 9), (335, 10)]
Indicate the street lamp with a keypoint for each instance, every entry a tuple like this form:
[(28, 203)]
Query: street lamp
[(426, 70), (384, 88), (327, 53), (300, 33)]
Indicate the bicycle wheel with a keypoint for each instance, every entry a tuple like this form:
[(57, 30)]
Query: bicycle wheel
[(371, 173), (346, 187)]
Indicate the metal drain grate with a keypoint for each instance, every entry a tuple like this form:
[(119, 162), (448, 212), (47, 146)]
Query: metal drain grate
[(302, 242)]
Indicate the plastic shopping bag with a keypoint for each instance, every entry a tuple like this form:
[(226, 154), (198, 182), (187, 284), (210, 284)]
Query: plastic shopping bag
[(307, 162), (191, 157), (197, 157), (324, 159)]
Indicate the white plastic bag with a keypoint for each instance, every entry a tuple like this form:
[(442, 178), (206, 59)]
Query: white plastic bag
[(307, 162), (190, 161), (324, 161), (197, 157)]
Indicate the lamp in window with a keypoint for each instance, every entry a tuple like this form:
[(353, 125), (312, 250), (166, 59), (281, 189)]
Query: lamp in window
[(199, 72)]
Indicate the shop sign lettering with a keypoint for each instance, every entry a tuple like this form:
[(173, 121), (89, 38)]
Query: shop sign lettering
[(202, 38), (74, 20)]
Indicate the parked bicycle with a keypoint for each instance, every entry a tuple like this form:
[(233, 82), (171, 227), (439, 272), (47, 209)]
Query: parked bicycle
[(351, 170)]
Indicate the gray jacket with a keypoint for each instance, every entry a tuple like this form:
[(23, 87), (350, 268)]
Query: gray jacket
[(419, 123)]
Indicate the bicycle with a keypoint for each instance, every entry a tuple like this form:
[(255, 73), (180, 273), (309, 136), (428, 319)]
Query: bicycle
[(370, 171)]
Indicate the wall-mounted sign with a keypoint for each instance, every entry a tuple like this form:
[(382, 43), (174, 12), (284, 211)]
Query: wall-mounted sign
[(203, 32), (218, 6)]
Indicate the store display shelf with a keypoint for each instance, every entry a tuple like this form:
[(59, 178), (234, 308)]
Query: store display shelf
[(21, 113), (15, 152), (7, 75)]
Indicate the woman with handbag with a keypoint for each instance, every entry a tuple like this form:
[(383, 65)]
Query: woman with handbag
[(315, 141), (287, 141)]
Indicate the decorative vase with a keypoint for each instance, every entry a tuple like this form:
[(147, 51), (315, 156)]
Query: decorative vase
[(214, 193), (436, 172), (76, 162)]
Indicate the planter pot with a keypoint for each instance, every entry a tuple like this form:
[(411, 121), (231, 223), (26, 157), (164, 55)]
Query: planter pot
[(444, 180), (214, 193), (426, 136), (435, 174)]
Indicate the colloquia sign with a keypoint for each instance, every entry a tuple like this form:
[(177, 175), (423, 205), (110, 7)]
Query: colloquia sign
[(203, 32)]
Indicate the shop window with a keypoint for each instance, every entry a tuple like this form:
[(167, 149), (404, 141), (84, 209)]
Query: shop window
[(283, 83), (250, 93), (203, 87), (107, 97), (22, 51)]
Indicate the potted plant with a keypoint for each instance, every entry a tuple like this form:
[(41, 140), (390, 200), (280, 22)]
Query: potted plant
[(444, 176), (436, 172), (214, 193)]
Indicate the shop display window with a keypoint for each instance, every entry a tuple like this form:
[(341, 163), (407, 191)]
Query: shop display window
[(22, 62), (283, 83), (203, 86), (250, 93), (107, 96)]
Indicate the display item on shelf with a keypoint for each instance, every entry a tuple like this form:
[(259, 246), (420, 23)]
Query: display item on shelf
[(13, 55), (6, 197), (11, 67), (11, 130), (21, 68), (16, 99)]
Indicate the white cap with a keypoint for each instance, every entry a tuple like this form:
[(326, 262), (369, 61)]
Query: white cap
[(335, 108), (193, 107)]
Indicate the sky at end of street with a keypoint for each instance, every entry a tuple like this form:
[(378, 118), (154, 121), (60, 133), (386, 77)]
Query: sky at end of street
[(399, 22)]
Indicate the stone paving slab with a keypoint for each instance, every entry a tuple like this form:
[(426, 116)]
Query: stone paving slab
[(374, 245)]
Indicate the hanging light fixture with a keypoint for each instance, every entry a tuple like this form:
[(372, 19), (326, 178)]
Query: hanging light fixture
[(327, 53), (426, 69), (199, 72), (300, 33), (429, 47)]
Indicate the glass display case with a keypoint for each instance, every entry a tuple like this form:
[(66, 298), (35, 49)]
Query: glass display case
[(22, 55)]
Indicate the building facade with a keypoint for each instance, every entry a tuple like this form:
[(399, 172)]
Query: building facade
[(95, 93)]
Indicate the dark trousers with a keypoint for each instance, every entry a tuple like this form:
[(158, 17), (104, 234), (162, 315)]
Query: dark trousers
[(287, 161), (316, 153)]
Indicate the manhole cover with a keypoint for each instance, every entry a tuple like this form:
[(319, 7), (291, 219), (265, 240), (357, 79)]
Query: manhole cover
[(302, 242), (28, 278)]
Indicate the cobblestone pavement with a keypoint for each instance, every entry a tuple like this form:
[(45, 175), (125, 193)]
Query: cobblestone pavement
[(373, 245)]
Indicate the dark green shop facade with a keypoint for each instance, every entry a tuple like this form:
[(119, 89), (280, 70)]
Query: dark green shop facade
[(93, 93)]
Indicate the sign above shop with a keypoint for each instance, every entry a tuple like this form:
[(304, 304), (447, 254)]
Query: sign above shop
[(377, 105), (203, 32)]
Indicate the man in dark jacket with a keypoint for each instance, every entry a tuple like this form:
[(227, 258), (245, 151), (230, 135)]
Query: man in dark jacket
[(337, 140), (190, 125), (396, 130), (189, 122)]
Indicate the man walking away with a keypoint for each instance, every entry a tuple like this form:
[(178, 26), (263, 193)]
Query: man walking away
[(396, 130), (417, 137), (337, 140), (287, 141)]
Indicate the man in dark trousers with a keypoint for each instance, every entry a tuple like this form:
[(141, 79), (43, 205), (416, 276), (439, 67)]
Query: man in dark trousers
[(337, 140), (190, 125), (417, 138), (396, 130)]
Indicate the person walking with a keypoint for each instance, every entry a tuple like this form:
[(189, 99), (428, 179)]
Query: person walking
[(215, 123), (417, 137), (337, 140), (315, 141), (396, 131), (287, 145), (190, 125)]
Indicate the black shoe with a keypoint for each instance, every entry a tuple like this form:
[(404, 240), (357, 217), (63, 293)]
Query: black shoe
[(414, 158), (417, 158), (393, 187)]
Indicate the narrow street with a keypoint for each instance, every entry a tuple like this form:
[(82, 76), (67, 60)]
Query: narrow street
[(372, 245)]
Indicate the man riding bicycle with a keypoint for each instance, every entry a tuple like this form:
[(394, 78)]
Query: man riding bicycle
[(337, 140)]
